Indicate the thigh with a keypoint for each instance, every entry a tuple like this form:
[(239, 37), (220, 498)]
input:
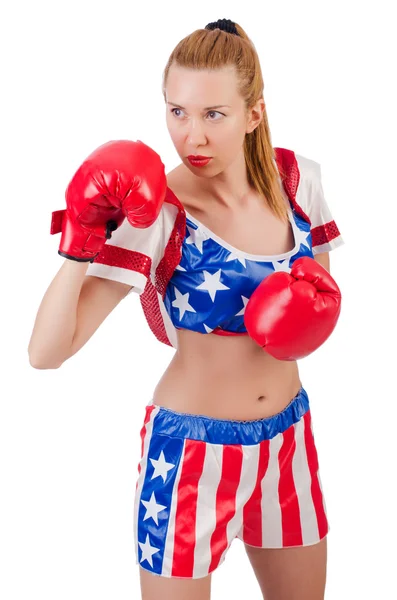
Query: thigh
[(294, 573), (155, 586)]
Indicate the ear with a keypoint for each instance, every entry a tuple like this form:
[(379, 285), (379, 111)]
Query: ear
[(255, 115)]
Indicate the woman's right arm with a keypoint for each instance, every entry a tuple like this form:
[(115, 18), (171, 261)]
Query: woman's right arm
[(70, 312), (115, 196)]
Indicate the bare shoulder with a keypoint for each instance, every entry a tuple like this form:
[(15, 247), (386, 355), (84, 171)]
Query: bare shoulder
[(178, 182), (174, 177)]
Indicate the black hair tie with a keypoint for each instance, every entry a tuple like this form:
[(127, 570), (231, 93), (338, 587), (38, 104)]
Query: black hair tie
[(224, 25)]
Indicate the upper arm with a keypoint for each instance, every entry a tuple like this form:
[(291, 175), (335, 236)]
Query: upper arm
[(98, 297), (323, 259), (125, 263)]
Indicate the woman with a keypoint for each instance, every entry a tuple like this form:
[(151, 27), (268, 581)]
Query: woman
[(227, 443)]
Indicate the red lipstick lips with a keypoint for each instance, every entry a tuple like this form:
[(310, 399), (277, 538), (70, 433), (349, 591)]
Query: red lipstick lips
[(198, 160)]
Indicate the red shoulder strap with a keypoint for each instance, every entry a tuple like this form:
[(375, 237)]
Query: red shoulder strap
[(290, 176), (167, 265)]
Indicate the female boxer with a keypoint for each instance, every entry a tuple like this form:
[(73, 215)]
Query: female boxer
[(229, 253)]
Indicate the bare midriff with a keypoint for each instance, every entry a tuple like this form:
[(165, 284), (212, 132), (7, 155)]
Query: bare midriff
[(229, 377), (226, 377)]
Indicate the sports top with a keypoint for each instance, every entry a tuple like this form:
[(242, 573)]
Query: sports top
[(213, 282)]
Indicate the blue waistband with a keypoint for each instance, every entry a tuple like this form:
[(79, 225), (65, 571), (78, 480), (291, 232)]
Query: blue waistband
[(225, 431)]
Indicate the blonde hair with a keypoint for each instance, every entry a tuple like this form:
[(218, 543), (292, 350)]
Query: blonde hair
[(215, 49)]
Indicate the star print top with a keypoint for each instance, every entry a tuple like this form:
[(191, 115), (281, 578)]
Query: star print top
[(213, 282), (189, 278)]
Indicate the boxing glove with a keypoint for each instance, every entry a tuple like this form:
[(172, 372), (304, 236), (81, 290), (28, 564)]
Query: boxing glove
[(291, 314), (120, 179)]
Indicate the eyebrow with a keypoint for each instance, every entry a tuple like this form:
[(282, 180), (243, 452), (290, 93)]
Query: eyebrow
[(206, 108)]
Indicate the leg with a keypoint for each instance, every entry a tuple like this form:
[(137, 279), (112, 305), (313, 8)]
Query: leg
[(290, 573), (154, 587)]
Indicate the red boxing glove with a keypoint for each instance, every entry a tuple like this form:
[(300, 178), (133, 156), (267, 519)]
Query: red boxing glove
[(291, 314), (119, 179)]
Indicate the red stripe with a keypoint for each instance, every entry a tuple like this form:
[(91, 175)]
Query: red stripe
[(312, 460), (290, 514), (116, 256), (252, 511), (224, 332), (232, 461), (322, 234), (186, 509), (149, 410)]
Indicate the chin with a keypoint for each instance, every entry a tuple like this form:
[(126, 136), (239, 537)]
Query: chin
[(203, 172)]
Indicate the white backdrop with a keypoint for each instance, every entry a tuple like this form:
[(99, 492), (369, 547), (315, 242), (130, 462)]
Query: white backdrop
[(76, 74)]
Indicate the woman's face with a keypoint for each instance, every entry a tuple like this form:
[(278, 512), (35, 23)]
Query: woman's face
[(205, 116)]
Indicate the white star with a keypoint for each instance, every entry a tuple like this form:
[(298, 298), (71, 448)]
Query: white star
[(196, 237), (152, 508), (180, 268), (208, 329), (245, 302), (301, 237), (148, 550), (233, 256), (212, 284), (283, 266), (161, 467), (182, 302)]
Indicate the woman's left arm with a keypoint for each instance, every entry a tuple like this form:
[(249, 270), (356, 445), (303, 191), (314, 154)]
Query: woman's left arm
[(323, 259)]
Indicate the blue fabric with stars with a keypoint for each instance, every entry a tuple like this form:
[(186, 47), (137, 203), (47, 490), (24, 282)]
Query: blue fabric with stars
[(213, 282)]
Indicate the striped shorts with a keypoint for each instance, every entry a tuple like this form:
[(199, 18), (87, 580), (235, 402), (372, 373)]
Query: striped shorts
[(203, 482)]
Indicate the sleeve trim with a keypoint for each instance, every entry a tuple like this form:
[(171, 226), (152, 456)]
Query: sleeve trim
[(131, 260), (324, 233), (327, 246)]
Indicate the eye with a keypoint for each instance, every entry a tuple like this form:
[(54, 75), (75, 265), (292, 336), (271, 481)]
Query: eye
[(173, 111), (215, 112), (211, 112)]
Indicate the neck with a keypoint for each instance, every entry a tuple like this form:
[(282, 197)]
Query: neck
[(229, 189)]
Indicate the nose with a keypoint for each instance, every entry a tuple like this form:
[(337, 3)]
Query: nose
[(196, 133)]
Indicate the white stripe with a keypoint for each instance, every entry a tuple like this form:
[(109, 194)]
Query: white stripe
[(302, 479), (167, 322), (141, 478), (272, 532), (322, 494), (121, 274), (249, 472), (169, 541), (206, 508)]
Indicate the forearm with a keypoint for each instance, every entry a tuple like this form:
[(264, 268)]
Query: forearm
[(55, 322)]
